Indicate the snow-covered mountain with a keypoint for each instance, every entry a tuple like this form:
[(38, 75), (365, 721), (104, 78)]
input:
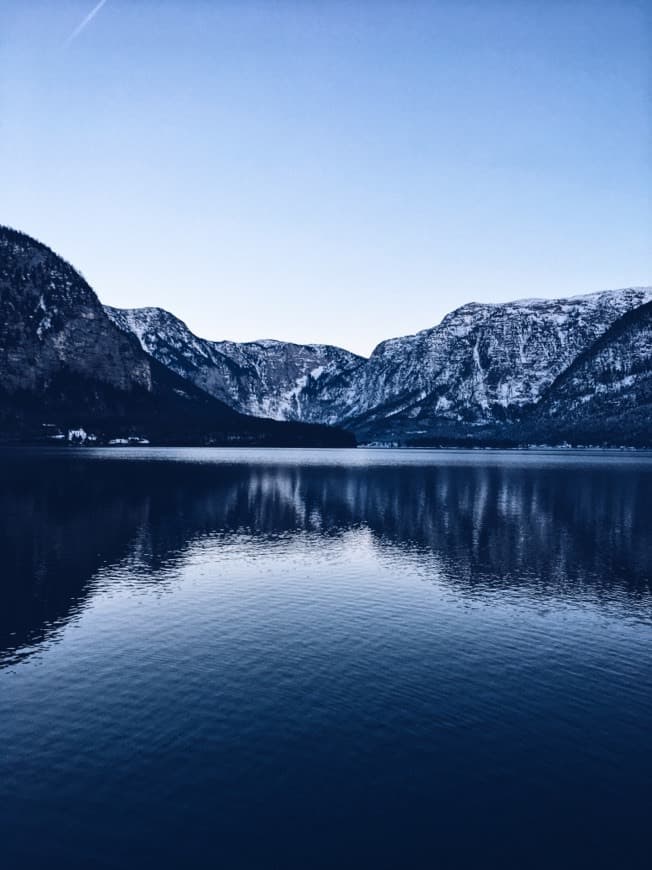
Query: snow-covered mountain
[(608, 388), (516, 371), (267, 378), (483, 365)]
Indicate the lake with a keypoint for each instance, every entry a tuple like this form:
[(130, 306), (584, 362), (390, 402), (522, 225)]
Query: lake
[(305, 658)]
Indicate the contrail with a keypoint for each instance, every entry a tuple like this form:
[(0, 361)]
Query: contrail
[(83, 24)]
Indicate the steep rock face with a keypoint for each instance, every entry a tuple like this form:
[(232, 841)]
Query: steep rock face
[(607, 390), (51, 320), (275, 379)]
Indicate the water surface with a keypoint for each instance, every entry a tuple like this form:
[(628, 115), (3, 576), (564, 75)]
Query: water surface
[(276, 658)]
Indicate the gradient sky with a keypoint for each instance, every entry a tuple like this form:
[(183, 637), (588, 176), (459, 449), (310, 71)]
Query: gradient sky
[(330, 171)]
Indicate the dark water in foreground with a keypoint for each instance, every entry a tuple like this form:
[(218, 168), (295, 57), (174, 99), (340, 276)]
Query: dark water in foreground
[(303, 659)]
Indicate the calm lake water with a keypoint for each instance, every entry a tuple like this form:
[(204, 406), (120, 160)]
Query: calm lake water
[(298, 659)]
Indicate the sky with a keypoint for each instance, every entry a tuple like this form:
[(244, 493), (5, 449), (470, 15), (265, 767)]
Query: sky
[(336, 171)]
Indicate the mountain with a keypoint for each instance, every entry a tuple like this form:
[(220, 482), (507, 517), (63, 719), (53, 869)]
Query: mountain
[(533, 370), (482, 369), (482, 365), (606, 391), (51, 321), (268, 378), (65, 364)]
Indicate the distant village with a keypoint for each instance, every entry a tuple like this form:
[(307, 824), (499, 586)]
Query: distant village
[(82, 438)]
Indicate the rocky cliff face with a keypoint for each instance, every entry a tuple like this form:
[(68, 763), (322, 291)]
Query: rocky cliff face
[(483, 365)]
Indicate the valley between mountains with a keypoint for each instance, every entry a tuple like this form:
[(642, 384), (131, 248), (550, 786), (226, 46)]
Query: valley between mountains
[(534, 371)]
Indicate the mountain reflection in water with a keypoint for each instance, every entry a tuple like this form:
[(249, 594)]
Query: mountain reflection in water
[(555, 531)]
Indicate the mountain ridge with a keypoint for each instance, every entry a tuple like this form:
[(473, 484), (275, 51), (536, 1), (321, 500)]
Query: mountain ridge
[(483, 365), (514, 372)]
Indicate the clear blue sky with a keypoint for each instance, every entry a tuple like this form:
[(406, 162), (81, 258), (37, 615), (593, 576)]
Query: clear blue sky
[(330, 171)]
